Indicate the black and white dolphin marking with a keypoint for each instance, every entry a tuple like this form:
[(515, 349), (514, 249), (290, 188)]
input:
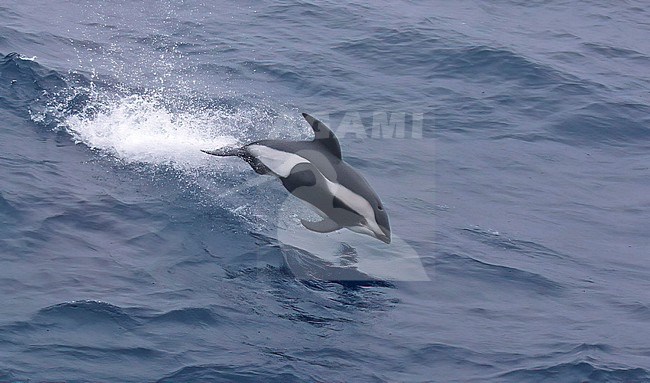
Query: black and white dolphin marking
[(315, 172)]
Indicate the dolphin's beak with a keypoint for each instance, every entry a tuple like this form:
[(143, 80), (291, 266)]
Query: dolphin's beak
[(384, 236)]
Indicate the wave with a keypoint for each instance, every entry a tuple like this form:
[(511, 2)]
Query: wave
[(497, 275), (7, 375), (579, 371), (189, 315), (235, 373), (443, 354), (609, 123), (636, 310), (98, 312), (87, 311), (91, 353), (8, 213), (611, 52), (26, 81), (488, 64), (106, 316), (498, 241), (416, 50)]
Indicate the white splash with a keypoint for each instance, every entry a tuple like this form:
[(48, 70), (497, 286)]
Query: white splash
[(140, 129), (33, 58)]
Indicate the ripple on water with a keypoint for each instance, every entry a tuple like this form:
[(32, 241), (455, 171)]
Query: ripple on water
[(578, 371)]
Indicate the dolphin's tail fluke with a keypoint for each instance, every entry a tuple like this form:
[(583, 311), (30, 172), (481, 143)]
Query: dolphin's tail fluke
[(226, 151)]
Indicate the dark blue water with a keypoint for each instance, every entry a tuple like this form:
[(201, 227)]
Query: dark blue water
[(518, 192)]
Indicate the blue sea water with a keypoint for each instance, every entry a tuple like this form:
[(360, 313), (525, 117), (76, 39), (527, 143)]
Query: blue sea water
[(521, 248)]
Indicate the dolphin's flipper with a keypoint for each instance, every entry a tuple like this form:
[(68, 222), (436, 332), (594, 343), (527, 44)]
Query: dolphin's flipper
[(324, 135), (226, 151), (324, 226)]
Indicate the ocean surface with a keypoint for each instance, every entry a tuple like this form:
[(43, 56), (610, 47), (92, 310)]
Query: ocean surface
[(509, 142)]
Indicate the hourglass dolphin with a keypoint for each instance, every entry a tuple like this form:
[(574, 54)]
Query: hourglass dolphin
[(315, 172)]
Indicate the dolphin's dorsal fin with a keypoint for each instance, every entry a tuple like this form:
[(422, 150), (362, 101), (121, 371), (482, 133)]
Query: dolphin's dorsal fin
[(324, 226), (324, 135)]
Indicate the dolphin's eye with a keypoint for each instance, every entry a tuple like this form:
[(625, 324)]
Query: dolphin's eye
[(380, 207)]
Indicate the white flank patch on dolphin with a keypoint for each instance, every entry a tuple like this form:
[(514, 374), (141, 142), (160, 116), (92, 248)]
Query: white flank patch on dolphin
[(356, 202), (281, 163), (278, 161)]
